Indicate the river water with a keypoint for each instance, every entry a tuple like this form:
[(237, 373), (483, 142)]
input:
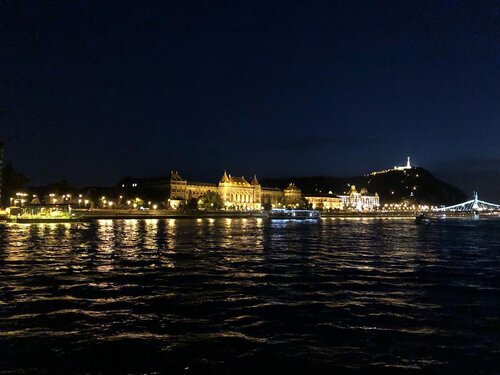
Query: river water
[(250, 296)]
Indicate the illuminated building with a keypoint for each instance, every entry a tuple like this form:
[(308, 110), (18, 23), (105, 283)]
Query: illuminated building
[(360, 200), (236, 192), (326, 203), (181, 189), (271, 196), (292, 193)]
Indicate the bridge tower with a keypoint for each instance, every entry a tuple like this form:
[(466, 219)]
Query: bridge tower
[(475, 204)]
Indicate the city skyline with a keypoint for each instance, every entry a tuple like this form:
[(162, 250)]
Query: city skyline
[(249, 187), (316, 88)]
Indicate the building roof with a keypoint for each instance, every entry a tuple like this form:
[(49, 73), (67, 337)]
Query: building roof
[(224, 178), (234, 180), (175, 176), (200, 183), (239, 180), (254, 182), (322, 196), (292, 186), (270, 188)]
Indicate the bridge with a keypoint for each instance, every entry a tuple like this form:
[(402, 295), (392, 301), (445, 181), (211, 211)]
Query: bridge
[(474, 205)]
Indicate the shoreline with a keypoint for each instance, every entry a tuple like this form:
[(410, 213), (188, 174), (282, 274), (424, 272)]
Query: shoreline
[(84, 215), (81, 215), (169, 214)]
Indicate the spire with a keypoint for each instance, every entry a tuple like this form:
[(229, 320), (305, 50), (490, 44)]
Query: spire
[(174, 175), (224, 178), (408, 165), (254, 182)]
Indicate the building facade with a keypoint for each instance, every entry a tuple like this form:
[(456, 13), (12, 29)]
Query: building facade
[(360, 201), (236, 192), (292, 194), (272, 196), (239, 194), (326, 203)]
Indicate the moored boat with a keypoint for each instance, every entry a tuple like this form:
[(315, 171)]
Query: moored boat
[(281, 213), (42, 214)]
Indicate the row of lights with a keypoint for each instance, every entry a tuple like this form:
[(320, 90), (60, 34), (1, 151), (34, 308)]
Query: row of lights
[(406, 207), (21, 198)]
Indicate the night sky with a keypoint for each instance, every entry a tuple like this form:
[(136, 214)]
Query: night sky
[(94, 91)]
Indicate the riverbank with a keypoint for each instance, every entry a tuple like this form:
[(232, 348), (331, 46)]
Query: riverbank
[(162, 214), (173, 214), (88, 215)]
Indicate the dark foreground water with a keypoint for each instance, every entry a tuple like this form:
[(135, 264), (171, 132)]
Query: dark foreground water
[(250, 296)]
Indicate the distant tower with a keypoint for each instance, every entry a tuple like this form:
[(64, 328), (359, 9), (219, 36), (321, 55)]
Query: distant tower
[(408, 165)]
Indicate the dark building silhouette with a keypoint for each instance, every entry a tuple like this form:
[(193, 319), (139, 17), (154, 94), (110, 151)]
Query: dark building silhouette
[(1, 170)]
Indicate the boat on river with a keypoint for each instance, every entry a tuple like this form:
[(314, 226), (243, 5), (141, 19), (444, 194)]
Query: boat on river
[(422, 218), (42, 214), (282, 213)]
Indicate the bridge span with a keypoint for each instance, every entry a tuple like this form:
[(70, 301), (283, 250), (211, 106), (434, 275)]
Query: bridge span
[(474, 205)]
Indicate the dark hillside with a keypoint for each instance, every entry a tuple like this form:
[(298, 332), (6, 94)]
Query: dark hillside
[(416, 185)]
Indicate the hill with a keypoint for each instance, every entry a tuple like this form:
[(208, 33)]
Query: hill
[(415, 185)]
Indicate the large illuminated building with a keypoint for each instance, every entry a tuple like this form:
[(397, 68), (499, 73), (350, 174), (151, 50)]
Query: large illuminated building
[(236, 192), (361, 201)]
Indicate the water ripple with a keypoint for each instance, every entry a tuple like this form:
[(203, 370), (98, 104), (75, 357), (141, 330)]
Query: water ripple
[(249, 295)]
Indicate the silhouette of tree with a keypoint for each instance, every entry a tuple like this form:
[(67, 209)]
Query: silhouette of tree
[(192, 204), (13, 181), (211, 201)]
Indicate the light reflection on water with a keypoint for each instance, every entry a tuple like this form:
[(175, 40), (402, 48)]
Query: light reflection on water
[(245, 294)]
